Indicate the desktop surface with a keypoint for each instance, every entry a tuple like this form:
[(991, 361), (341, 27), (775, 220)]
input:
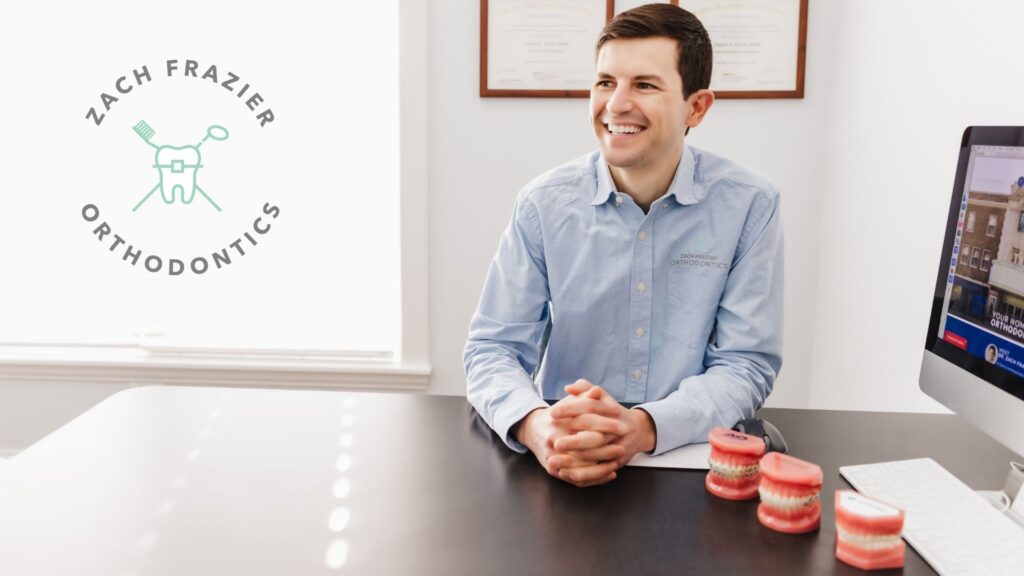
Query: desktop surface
[(167, 480)]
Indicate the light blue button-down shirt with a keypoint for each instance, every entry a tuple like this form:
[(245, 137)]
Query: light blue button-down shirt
[(678, 310)]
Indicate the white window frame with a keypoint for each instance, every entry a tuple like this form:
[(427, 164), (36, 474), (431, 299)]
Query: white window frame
[(409, 367), (971, 217), (986, 260), (975, 257), (993, 223)]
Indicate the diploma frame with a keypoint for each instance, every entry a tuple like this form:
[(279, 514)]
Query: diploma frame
[(801, 56), (796, 93), (487, 92)]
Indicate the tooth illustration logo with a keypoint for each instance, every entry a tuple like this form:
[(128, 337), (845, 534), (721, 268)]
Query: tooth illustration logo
[(151, 241), (178, 167)]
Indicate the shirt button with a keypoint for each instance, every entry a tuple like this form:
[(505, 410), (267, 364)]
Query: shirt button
[(639, 332), (641, 287), (637, 374), (642, 236), (618, 200)]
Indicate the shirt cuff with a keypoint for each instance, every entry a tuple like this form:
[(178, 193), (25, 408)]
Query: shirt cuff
[(675, 425), (514, 408)]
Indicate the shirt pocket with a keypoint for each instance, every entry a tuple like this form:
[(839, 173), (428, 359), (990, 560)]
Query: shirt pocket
[(691, 291)]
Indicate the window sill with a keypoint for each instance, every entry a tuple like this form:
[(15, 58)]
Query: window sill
[(135, 366)]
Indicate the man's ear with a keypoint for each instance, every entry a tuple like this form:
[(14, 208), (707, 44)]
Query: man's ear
[(700, 102)]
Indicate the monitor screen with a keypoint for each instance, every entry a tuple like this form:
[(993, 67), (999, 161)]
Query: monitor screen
[(974, 359), (983, 303)]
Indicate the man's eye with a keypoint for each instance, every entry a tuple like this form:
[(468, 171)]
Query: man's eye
[(603, 83), (645, 86)]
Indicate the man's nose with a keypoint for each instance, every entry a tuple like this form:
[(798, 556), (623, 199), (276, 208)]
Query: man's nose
[(621, 101)]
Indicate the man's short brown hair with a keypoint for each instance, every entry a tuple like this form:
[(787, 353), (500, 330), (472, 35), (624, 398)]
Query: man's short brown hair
[(651, 20)]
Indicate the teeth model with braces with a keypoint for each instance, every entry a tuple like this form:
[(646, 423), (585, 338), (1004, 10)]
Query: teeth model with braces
[(868, 532), (733, 463), (789, 494)]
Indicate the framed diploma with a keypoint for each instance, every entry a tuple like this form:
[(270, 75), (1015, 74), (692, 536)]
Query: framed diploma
[(623, 5), (759, 46), (537, 48)]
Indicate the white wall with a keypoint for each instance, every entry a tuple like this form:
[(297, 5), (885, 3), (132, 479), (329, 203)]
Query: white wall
[(482, 150), (907, 78)]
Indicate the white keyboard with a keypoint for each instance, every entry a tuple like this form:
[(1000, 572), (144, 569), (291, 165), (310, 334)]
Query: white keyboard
[(953, 528)]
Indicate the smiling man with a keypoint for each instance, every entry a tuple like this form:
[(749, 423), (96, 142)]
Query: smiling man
[(658, 268)]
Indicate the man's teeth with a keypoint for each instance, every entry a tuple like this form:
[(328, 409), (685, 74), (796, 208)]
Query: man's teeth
[(623, 129)]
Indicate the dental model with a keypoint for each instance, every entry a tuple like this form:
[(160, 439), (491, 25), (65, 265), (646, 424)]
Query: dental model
[(733, 462), (789, 494), (178, 166), (868, 532)]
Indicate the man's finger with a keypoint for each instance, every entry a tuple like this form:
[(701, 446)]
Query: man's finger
[(603, 454), (565, 461), (588, 474), (597, 482), (584, 474), (578, 387), (583, 440), (597, 423), (585, 405)]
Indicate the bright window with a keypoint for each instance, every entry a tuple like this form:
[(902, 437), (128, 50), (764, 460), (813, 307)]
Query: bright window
[(157, 171)]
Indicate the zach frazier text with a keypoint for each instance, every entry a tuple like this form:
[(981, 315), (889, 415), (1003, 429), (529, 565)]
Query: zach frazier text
[(227, 80)]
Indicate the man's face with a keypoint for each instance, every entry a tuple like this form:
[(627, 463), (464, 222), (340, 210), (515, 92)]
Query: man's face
[(636, 103)]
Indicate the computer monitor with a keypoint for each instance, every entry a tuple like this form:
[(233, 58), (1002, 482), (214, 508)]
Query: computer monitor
[(974, 352)]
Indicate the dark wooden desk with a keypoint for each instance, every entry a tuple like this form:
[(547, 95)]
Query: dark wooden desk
[(150, 482), (664, 522)]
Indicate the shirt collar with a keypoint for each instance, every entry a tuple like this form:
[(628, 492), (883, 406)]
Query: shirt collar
[(605, 184), (682, 187)]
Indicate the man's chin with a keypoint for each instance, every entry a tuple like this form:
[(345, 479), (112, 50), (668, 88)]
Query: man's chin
[(621, 155), (618, 160)]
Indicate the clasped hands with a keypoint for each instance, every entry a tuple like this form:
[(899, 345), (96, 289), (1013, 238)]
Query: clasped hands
[(587, 436)]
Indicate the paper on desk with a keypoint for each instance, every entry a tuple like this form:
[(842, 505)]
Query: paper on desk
[(690, 457)]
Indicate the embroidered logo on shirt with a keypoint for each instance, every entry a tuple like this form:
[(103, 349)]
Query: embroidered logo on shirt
[(698, 261), (696, 254)]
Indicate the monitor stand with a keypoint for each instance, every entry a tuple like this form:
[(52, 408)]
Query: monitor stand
[(1004, 500)]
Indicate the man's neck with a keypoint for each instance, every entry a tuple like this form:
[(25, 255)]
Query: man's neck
[(645, 184)]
